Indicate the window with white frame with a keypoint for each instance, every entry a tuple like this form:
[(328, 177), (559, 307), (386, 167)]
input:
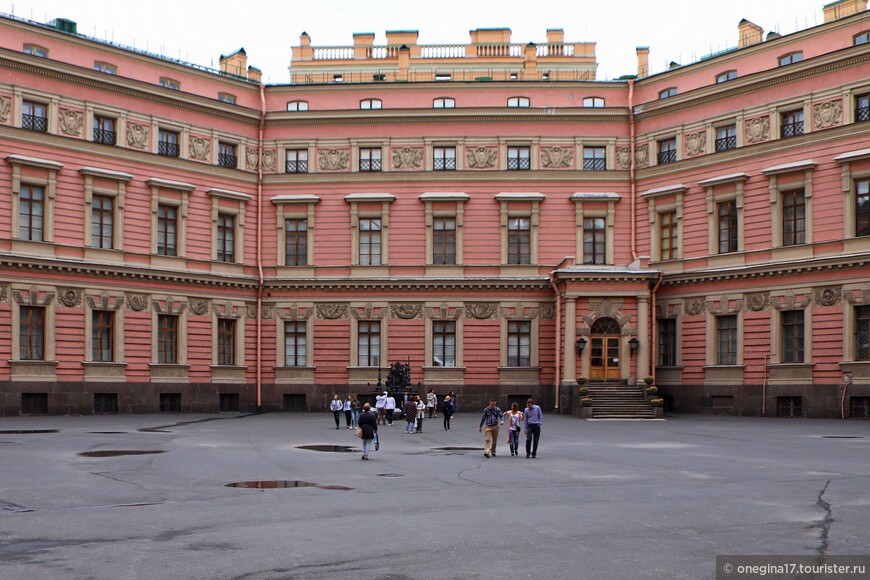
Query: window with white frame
[(519, 343), (594, 158), (519, 102), (170, 84), (370, 241), (105, 130), (861, 38), (668, 92), (443, 158), (791, 123), (34, 116), (227, 98), (595, 102), (297, 106), (444, 103), (726, 339), (36, 50), (367, 104), (726, 137), (105, 67), (726, 76), (369, 343), (667, 150), (791, 58), (370, 159), (519, 158), (297, 161), (444, 343)]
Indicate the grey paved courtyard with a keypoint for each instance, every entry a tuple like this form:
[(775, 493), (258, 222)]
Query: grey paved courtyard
[(604, 499)]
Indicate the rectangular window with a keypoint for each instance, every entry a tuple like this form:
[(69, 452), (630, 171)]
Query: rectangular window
[(296, 239), (862, 108), (105, 67), (668, 235), (519, 159), (727, 214), (519, 347), (297, 161), (370, 241), (519, 241), (726, 340), (227, 155), (104, 130), (726, 138), (862, 208), (444, 158), (793, 218), (667, 151), (791, 58), (793, 336), (369, 343), (170, 84), (31, 210), (370, 159), (443, 343), (167, 230), (226, 341), (594, 240), (34, 116), (594, 159), (443, 241), (167, 339), (227, 98), (862, 333), (102, 222), (792, 124), (667, 342), (36, 50), (31, 333), (295, 344), (103, 335), (167, 143), (226, 238)]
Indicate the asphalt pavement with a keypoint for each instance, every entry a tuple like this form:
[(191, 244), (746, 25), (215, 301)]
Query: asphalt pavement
[(146, 497)]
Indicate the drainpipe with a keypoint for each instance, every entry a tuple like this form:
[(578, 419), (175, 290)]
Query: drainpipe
[(260, 248), (632, 169)]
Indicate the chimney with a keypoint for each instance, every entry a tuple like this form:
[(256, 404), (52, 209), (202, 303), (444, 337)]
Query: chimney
[(235, 63), (642, 61), (843, 8), (749, 34), (254, 74), (362, 44), (555, 36), (530, 60)]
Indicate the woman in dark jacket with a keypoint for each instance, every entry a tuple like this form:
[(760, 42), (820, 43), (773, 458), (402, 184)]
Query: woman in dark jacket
[(448, 409), (368, 422)]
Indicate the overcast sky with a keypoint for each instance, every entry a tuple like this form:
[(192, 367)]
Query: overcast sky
[(199, 31)]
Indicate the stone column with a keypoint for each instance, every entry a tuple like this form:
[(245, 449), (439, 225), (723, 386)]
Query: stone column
[(643, 335), (569, 365)]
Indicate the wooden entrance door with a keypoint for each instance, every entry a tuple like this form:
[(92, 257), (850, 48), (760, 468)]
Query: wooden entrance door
[(604, 358)]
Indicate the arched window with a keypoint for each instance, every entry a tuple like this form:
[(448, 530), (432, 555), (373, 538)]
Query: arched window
[(593, 102), (444, 103), (518, 102), (726, 76), (605, 326), (669, 92), (297, 106), (370, 104)]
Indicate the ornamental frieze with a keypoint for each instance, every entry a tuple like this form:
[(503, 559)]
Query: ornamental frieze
[(605, 309), (333, 160), (251, 159), (332, 311), (641, 156), (557, 157), (696, 143), (105, 302), (293, 312), (481, 157), (137, 136), (758, 301), (198, 306), (406, 311), (408, 158), (857, 297), (5, 108), (251, 311), (830, 296), (137, 302), (368, 312), (481, 310), (69, 297), (789, 301), (444, 312), (828, 114), (757, 130), (623, 157), (70, 122), (33, 297), (548, 311), (724, 305), (200, 149), (4, 293), (693, 306)]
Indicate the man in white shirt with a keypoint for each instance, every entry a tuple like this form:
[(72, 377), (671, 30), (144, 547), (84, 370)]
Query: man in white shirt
[(380, 401), (389, 408)]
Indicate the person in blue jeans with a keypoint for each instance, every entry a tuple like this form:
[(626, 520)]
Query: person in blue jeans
[(533, 419)]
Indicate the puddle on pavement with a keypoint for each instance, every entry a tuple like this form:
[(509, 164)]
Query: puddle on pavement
[(452, 450), (390, 475), (153, 430), (119, 452), (107, 432), (841, 437), (26, 431), (330, 448), (283, 484)]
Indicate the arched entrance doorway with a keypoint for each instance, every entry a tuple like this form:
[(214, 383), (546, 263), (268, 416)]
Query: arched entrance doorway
[(605, 338)]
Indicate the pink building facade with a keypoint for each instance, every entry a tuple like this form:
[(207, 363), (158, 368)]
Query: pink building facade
[(181, 239)]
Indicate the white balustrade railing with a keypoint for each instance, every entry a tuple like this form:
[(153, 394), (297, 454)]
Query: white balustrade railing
[(455, 51)]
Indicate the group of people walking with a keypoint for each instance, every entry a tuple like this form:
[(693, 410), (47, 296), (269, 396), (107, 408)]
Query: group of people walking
[(415, 408), (530, 418)]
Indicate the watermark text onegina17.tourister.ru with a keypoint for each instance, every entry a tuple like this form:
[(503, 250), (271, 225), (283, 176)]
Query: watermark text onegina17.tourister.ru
[(791, 567)]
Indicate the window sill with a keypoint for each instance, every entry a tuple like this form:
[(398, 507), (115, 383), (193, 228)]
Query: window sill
[(33, 370)]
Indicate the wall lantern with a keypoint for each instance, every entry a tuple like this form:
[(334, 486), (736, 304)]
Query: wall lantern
[(633, 344), (581, 344)]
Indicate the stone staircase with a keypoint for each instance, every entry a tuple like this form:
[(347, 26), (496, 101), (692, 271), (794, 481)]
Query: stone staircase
[(619, 401)]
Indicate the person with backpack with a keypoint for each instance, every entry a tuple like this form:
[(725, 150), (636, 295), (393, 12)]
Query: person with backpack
[(447, 409)]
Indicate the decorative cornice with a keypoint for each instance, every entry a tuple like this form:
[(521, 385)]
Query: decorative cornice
[(415, 116), (430, 178), (105, 173)]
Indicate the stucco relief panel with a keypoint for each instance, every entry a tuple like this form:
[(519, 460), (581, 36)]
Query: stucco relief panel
[(641, 156), (5, 109), (199, 148), (481, 157), (623, 157), (270, 160), (69, 297), (407, 158), (481, 310), (696, 144), (828, 114), (137, 136), (557, 157), (137, 302), (332, 312), (757, 130), (406, 311), (333, 159), (70, 122)]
